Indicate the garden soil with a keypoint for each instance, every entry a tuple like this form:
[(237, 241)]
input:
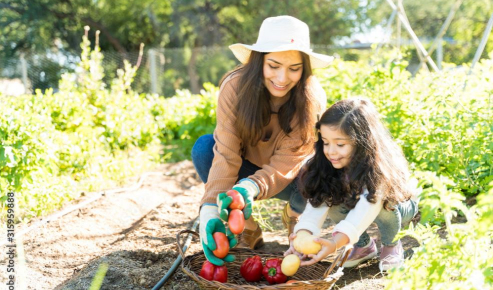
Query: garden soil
[(134, 233)]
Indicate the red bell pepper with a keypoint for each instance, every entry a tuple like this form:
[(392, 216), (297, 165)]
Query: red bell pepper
[(251, 269), (272, 271), (212, 272)]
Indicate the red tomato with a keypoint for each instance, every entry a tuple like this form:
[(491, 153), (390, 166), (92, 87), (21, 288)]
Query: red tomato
[(222, 244), (238, 201), (212, 272), (236, 221), (294, 288)]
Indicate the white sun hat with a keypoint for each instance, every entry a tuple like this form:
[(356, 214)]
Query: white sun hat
[(282, 33)]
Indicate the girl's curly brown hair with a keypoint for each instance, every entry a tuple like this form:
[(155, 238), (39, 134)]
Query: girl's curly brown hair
[(377, 162)]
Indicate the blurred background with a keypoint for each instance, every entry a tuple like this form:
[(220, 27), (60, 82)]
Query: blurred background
[(186, 41)]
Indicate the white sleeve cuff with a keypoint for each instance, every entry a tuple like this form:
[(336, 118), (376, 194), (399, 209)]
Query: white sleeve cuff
[(249, 185), (349, 230), (312, 219)]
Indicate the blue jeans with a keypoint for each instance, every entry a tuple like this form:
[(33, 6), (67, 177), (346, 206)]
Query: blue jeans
[(202, 156), (388, 222)]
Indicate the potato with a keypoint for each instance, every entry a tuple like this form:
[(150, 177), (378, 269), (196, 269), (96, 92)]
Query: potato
[(290, 265), (307, 246), (299, 236)]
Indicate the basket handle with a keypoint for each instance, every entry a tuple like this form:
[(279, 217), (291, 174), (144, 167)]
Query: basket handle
[(179, 244), (342, 257)]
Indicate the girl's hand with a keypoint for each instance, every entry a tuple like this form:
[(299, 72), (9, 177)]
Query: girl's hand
[(291, 249), (328, 247)]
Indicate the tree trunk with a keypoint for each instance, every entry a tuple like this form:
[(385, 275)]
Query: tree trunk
[(192, 73)]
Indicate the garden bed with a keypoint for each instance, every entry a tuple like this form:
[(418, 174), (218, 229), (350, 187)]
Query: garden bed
[(134, 233)]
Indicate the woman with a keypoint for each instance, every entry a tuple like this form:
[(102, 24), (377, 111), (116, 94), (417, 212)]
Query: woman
[(266, 112)]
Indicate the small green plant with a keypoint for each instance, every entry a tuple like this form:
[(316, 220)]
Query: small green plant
[(265, 210), (98, 279)]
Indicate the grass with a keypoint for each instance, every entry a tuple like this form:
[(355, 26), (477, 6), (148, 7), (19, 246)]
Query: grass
[(265, 210)]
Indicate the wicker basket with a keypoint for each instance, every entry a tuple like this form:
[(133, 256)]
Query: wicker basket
[(322, 275)]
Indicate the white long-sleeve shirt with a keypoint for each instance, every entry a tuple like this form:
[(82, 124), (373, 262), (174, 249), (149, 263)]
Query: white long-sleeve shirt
[(356, 222)]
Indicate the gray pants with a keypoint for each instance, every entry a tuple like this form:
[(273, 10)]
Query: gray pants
[(389, 222)]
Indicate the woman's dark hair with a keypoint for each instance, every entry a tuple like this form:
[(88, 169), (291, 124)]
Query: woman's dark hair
[(377, 162), (253, 107)]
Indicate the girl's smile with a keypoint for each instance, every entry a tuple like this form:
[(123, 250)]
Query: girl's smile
[(338, 147), (335, 160)]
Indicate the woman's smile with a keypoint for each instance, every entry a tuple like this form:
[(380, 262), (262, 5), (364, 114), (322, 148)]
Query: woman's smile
[(282, 71), (279, 87)]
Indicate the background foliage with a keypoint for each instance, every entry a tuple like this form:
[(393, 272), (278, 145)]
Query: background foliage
[(56, 145), (47, 32), (43, 24)]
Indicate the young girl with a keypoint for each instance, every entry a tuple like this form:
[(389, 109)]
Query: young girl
[(357, 176)]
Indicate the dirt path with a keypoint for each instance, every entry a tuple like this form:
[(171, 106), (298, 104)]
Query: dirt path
[(134, 233)]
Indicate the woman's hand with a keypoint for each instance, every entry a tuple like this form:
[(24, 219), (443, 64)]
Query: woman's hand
[(223, 202), (292, 250), (328, 247), (248, 189), (210, 224)]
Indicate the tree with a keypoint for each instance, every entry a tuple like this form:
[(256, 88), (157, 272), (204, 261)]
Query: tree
[(426, 19), (41, 25)]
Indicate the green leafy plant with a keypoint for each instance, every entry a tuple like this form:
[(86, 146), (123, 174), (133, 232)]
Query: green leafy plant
[(461, 257), (92, 135)]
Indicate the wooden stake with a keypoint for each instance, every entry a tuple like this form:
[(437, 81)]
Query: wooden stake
[(417, 43), (443, 29)]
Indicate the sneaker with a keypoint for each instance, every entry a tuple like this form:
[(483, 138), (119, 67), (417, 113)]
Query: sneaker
[(361, 254), (391, 257)]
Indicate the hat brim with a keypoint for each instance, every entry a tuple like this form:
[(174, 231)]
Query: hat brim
[(242, 53)]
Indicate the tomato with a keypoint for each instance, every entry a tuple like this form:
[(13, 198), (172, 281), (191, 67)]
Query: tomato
[(222, 245), (294, 288), (212, 272), (238, 201), (236, 221), (291, 281)]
